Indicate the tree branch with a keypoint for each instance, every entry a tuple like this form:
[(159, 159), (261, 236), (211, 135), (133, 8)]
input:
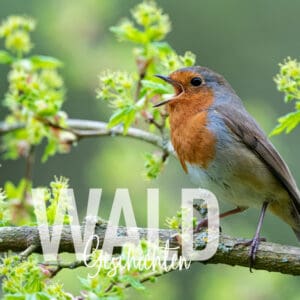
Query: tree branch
[(270, 256), (86, 128), (55, 268)]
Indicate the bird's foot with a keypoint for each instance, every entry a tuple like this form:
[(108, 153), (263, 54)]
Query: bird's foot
[(253, 243)]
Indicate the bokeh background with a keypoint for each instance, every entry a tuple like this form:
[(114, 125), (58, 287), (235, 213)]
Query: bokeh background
[(244, 41)]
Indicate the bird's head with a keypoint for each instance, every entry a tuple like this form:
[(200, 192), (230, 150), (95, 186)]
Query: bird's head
[(194, 84)]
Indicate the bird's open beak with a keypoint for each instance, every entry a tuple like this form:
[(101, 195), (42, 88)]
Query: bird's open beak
[(166, 79), (170, 81), (162, 103)]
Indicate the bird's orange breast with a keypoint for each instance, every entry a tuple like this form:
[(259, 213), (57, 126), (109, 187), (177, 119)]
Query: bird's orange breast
[(193, 142)]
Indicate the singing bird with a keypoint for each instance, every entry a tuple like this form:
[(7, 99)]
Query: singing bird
[(223, 149)]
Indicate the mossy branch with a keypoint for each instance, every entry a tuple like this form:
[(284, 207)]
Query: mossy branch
[(270, 256)]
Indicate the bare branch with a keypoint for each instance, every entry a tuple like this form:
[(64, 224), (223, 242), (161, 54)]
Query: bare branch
[(270, 256), (85, 128), (145, 278), (28, 251)]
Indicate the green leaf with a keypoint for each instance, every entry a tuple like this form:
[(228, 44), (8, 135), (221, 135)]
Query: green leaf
[(43, 296), (45, 62), (14, 297), (163, 47), (129, 120), (84, 282), (50, 149), (134, 282), (116, 118), (287, 123), (153, 279), (153, 165), (5, 57), (156, 87), (35, 296), (110, 298), (125, 115), (15, 191), (127, 32)]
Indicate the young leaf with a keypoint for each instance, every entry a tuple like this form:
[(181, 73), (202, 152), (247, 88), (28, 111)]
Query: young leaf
[(135, 283), (156, 87), (5, 57), (287, 123), (117, 118), (45, 62)]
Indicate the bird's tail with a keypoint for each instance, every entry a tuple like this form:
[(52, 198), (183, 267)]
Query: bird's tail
[(297, 232), (296, 216), (290, 216)]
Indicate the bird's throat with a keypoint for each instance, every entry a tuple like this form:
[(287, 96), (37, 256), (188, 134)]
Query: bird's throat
[(193, 142)]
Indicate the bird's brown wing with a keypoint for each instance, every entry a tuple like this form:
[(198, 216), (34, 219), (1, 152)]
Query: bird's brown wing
[(246, 128)]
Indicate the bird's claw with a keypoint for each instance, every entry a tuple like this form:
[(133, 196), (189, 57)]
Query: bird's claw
[(252, 252), (253, 243)]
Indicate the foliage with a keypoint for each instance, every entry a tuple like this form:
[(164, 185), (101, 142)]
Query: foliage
[(118, 89), (15, 31), (175, 222), (35, 93), (4, 213), (52, 197), (288, 82), (20, 211), (153, 165), (34, 102), (132, 95), (131, 268), (27, 280), (14, 212)]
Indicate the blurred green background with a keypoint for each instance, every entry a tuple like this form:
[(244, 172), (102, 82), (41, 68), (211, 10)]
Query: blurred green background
[(244, 41)]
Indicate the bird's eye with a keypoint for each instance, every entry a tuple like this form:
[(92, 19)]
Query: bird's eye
[(196, 81)]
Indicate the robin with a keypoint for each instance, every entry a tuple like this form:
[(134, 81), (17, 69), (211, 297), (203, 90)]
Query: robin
[(223, 149)]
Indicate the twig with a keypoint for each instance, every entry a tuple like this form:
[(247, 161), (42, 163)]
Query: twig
[(142, 66), (61, 265), (28, 251), (151, 120), (28, 173), (87, 129), (146, 277), (29, 163)]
